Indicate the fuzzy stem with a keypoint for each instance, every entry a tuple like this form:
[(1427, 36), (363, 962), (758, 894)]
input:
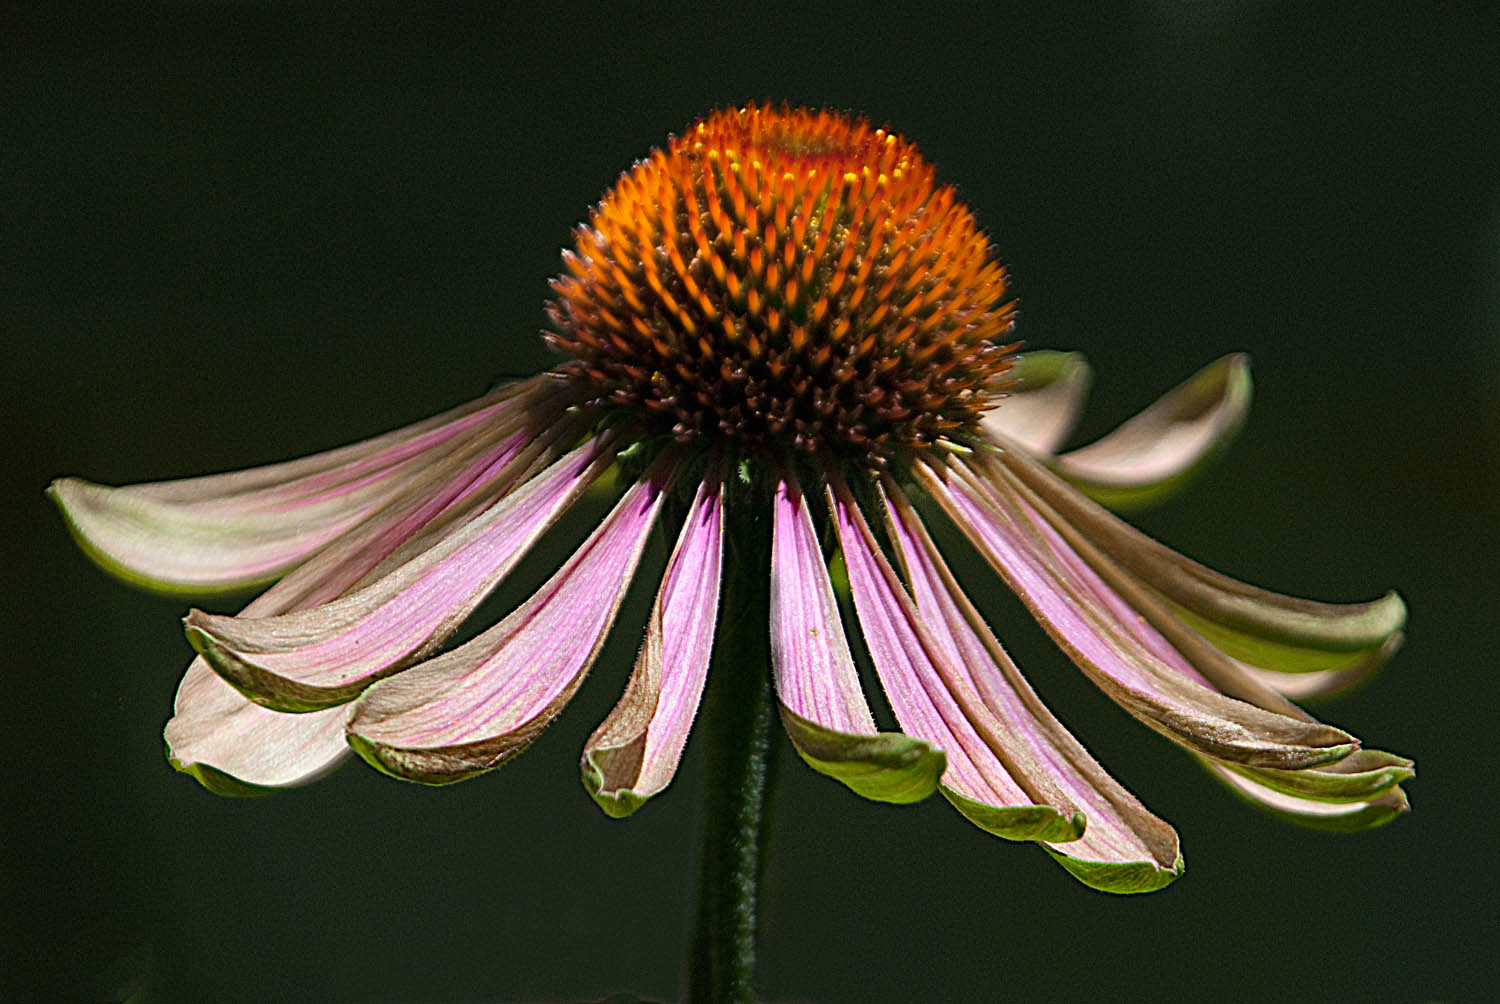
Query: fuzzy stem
[(737, 724)]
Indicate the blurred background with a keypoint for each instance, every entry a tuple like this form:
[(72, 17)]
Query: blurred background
[(235, 235)]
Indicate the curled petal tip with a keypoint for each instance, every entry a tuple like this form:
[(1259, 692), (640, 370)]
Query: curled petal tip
[(1021, 823), (883, 767), (1159, 450), (1126, 878)]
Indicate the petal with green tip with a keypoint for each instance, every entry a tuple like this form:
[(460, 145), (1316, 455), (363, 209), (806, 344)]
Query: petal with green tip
[(1339, 817), (633, 754), (821, 703), (1327, 682), (1123, 878), (229, 531), (1232, 605), (881, 766), (1159, 450), (1171, 640), (989, 777), (1286, 660), (234, 747), (1124, 847), (1360, 777)]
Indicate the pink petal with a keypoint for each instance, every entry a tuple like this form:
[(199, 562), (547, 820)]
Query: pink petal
[(1238, 612), (814, 671), (315, 473), (313, 658), (821, 703), (936, 703), (1123, 656), (471, 709), (1124, 847), (634, 753)]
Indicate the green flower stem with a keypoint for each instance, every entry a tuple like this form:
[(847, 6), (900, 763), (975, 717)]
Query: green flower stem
[(737, 725)]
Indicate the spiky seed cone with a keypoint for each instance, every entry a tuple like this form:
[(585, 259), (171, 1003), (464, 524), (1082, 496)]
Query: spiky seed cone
[(786, 278)]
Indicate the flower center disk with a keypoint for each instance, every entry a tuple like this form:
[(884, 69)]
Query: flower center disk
[(786, 278)]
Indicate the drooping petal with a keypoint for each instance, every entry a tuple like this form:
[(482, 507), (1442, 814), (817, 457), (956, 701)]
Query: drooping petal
[(234, 746), (1122, 655), (309, 659), (319, 470), (1044, 391), (1249, 623), (1361, 776), (163, 548), (634, 753), (817, 687), (1177, 646), (230, 531), (471, 709), (1160, 449), (1124, 848), (417, 520), (1342, 817), (990, 778)]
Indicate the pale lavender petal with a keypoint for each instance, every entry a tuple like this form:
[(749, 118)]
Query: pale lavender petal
[(313, 658), (1044, 392), (935, 702), (460, 488), (1167, 638), (634, 753), (1124, 847), (1153, 453), (234, 530), (822, 705), (234, 747), (168, 548), (1188, 641), (1122, 656), (471, 709)]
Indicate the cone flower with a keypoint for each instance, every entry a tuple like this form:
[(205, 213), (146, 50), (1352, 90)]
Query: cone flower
[(780, 320)]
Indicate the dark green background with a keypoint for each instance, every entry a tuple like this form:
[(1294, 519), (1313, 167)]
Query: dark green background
[(234, 237)]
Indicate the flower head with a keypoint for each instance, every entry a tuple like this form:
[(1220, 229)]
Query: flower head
[(781, 319), (786, 280)]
